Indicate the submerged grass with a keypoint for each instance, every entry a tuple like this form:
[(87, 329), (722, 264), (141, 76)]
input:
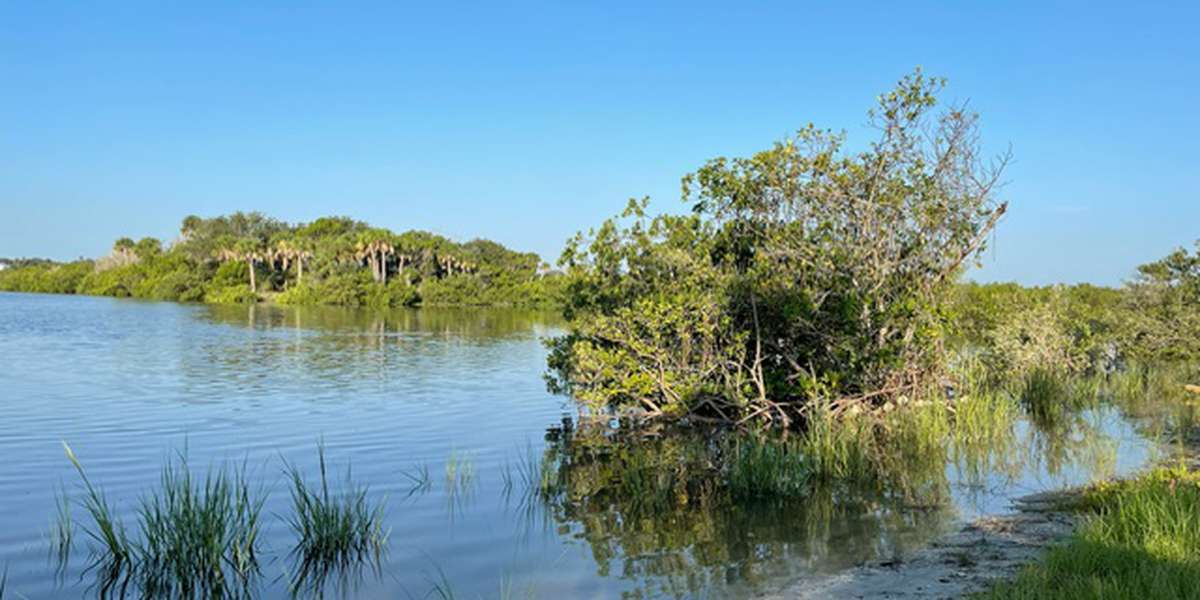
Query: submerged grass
[(418, 479), (1141, 539), (200, 538), (761, 468), (195, 539), (337, 535), (62, 532), (460, 472)]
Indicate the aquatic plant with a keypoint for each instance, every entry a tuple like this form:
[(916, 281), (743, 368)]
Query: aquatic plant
[(336, 534), (62, 532), (195, 539), (418, 478), (200, 538), (460, 472), (112, 555), (763, 468), (839, 447), (1045, 395)]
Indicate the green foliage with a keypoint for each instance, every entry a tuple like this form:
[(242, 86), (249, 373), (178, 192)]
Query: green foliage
[(1140, 539), (1164, 309), (1015, 330), (233, 294), (45, 278), (805, 272), (244, 257)]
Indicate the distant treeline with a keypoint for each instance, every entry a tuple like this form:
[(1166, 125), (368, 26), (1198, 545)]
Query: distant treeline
[(248, 257)]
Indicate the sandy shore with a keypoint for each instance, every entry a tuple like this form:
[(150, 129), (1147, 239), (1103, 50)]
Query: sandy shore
[(965, 561), (957, 564)]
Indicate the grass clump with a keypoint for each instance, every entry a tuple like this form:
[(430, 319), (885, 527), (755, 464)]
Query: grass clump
[(460, 472), (195, 539), (766, 468), (336, 534), (1141, 539), (200, 538)]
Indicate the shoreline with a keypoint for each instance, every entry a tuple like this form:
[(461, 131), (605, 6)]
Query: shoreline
[(968, 560)]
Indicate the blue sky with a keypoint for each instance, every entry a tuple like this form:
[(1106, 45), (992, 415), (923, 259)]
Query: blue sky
[(527, 122)]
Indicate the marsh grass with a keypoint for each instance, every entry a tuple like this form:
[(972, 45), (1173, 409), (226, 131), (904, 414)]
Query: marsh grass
[(460, 472), (1045, 396), (1140, 539), (62, 533), (337, 535), (763, 468), (195, 539), (419, 480), (839, 449)]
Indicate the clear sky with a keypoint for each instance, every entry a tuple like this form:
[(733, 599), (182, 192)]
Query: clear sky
[(527, 122)]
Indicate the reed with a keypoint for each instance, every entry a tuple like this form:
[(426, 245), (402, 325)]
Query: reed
[(762, 468), (336, 534), (460, 472), (418, 479), (62, 532), (195, 539), (112, 554), (199, 538), (839, 448)]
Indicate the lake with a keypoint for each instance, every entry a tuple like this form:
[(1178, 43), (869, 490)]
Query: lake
[(128, 384)]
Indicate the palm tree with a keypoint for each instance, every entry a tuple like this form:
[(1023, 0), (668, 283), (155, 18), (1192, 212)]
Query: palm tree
[(248, 250), (302, 255), (375, 248), (288, 250)]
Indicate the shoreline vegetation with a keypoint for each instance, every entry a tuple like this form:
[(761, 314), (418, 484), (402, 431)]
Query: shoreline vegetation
[(813, 295), (802, 332), (249, 257)]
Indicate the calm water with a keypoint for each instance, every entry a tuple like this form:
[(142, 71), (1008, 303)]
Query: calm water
[(127, 383)]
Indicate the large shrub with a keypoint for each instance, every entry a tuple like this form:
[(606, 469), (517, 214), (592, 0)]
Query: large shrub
[(804, 273)]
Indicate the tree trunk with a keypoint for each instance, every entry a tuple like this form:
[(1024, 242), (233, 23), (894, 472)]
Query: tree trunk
[(253, 283), (299, 271), (383, 268)]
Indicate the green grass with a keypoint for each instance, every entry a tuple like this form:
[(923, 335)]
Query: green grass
[(1140, 540), (336, 534), (62, 532), (760, 468), (200, 538), (418, 479), (194, 539), (460, 472)]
